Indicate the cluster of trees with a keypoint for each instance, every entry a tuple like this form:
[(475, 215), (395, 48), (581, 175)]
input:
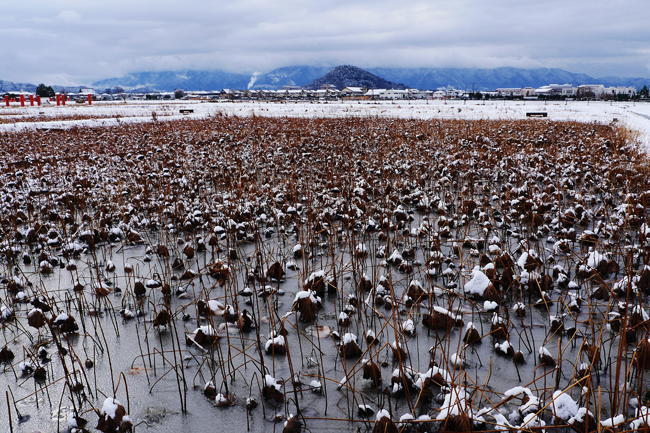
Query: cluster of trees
[(178, 94), (644, 92), (45, 91), (113, 90)]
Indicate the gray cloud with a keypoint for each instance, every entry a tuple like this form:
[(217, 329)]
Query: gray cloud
[(72, 41)]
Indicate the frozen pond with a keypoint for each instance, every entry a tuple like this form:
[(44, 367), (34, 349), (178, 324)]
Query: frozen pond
[(236, 272)]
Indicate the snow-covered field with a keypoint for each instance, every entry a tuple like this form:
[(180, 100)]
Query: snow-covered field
[(633, 115)]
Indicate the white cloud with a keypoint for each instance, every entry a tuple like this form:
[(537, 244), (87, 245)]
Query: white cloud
[(69, 16), (79, 41)]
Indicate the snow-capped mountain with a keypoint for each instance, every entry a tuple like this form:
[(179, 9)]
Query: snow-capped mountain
[(303, 75)]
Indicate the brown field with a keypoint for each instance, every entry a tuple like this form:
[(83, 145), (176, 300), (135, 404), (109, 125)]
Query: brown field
[(314, 266)]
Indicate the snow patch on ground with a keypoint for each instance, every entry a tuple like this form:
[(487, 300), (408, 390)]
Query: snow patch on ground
[(634, 115)]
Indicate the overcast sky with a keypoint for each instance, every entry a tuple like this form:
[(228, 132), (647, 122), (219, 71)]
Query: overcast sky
[(77, 41)]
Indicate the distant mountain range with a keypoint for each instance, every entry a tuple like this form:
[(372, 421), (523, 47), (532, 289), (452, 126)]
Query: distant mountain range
[(9, 86), (490, 79), (172, 80), (287, 76), (420, 78)]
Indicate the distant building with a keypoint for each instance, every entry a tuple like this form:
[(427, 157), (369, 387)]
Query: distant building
[(375, 93), (395, 94), (556, 90), (527, 92), (591, 90), (619, 90), (456, 93), (353, 91), (418, 94), (444, 93), (439, 94), (510, 92)]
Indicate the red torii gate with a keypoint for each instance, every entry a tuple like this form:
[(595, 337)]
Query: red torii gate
[(60, 99), (22, 100)]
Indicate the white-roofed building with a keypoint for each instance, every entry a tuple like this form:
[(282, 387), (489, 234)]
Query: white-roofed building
[(353, 91)]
